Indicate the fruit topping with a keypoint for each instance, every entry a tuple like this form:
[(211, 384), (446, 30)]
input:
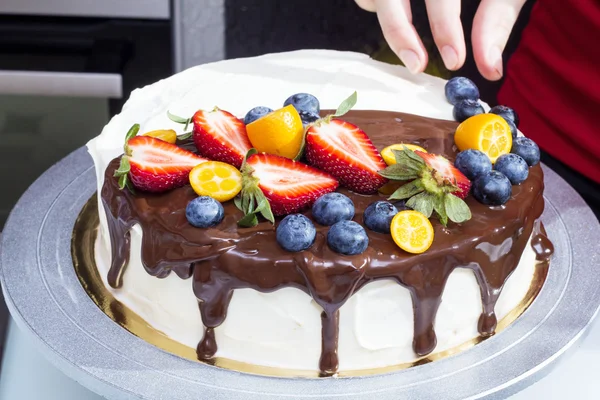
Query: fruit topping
[(304, 102), (513, 128), (153, 165), (280, 132), (412, 231), (296, 233), (274, 185), (460, 88), (390, 157), (308, 117), (331, 208), (488, 133), (507, 113), (466, 108), (472, 163), (256, 113), (345, 151), (216, 179), (527, 149), (435, 185), (167, 135), (220, 136), (378, 216), (347, 237), (513, 167), (492, 188), (204, 211)]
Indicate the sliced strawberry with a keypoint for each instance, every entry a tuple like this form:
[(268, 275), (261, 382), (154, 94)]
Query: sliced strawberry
[(445, 172), (153, 165), (346, 152), (221, 136), (288, 185)]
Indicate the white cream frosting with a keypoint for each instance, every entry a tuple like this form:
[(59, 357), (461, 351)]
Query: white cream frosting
[(283, 328)]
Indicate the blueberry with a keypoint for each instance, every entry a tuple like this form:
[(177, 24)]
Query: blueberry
[(460, 88), (331, 208), (347, 237), (304, 102), (513, 128), (527, 149), (204, 211), (378, 216), (513, 167), (307, 117), (256, 113), (466, 108), (473, 163), (296, 233), (506, 113), (492, 188)]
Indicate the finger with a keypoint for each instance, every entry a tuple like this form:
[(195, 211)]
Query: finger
[(368, 5), (492, 25), (446, 27), (395, 19)]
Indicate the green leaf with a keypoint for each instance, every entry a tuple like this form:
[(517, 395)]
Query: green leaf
[(185, 136), (124, 167), (178, 119), (265, 209), (458, 211), (302, 145), (406, 158), (122, 181), (133, 131), (248, 221), (414, 156), (423, 203), (407, 190), (398, 172), (346, 105), (238, 202), (440, 209), (130, 186)]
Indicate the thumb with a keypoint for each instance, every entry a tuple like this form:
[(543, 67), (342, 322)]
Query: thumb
[(492, 26)]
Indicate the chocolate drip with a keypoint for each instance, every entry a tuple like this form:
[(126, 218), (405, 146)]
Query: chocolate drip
[(225, 258), (542, 246)]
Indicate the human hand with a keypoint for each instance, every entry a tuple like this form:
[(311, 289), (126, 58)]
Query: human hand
[(492, 25)]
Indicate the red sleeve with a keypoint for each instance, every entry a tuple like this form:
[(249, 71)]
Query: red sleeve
[(553, 82)]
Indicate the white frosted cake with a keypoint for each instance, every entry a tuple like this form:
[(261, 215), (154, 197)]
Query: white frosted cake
[(316, 309)]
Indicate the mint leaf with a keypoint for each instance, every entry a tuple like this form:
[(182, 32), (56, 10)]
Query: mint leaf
[(457, 210), (440, 209), (407, 190), (346, 105), (422, 203), (398, 172)]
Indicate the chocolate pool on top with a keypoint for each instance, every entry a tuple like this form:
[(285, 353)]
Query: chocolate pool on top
[(226, 257)]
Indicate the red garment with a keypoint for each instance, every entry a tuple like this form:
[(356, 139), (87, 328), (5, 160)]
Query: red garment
[(553, 82)]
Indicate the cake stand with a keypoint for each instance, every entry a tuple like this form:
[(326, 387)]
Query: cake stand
[(47, 301)]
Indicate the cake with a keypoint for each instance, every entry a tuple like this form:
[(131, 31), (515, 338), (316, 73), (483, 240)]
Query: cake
[(235, 293)]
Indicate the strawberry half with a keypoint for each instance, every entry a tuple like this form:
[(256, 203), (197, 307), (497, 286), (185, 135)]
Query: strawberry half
[(446, 173), (346, 152), (153, 165), (288, 186), (220, 136)]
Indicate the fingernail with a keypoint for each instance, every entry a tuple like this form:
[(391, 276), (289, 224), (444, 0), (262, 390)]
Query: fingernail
[(496, 60), (410, 60), (450, 57)]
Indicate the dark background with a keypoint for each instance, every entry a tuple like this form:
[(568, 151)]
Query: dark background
[(256, 27)]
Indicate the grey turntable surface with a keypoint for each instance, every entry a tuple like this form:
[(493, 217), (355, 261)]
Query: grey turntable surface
[(50, 306)]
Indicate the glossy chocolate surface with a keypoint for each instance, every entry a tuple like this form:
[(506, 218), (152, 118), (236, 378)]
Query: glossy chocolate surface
[(226, 257)]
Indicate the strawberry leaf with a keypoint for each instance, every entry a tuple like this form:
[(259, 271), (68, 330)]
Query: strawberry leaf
[(413, 156), (303, 144), (252, 200), (131, 133), (398, 172), (407, 190), (422, 202), (179, 120), (440, 209), (265, 210), (124, 167), (248, 221), (458, 211), (346, 105), (238, 203), (185, 136)]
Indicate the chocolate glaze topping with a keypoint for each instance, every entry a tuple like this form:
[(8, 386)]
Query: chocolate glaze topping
[(226, 257)]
